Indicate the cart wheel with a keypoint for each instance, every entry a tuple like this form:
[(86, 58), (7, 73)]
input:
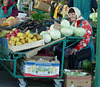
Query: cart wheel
[(58, 82), (22, 83), (1, 66)]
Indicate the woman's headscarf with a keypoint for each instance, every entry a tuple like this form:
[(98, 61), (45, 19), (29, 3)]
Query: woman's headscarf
[(10, 2), (78, 14)]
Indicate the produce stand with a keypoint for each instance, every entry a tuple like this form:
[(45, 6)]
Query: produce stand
[(7, 56)]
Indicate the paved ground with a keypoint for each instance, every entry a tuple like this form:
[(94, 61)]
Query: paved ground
[(6, 80)]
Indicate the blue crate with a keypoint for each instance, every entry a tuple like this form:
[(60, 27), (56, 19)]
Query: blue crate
[(4, 42), (4, 46)]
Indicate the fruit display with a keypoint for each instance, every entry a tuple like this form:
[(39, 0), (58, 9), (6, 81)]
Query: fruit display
[(5, 23), (23, 38), (4, 28), (13, 33), (3, 33)]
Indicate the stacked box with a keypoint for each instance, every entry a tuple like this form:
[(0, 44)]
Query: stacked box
[(77, 81)]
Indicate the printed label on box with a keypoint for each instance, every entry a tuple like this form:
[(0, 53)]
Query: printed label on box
[(40, 69)]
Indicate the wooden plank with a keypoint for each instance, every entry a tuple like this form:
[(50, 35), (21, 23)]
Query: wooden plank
[(35, 51)]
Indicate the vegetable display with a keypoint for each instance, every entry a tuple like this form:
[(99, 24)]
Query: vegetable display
[(87, 65), (47, 38), (38, 16), (93, 16), (65, 30), (65, 23), (75, 73), (55, 34), (79, 32)]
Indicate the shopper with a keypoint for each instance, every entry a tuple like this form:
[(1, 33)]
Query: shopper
[(8, 9), (85, 6), (1, 3), (84, 49)]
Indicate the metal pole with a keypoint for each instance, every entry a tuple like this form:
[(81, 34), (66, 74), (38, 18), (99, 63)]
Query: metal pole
[(97, 68)]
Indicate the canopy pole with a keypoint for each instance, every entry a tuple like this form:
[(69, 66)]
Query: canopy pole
[(97, 68)]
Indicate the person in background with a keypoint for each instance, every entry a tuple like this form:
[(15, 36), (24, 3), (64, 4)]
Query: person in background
[(1, 2), (85, 6), (85, 48), (8, 9)]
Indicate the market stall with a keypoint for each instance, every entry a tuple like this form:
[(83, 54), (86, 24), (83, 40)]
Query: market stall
[(5, 60), (21, 42), (12, 53)]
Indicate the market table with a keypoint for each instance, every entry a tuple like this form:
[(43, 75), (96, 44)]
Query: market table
[(7, 56)]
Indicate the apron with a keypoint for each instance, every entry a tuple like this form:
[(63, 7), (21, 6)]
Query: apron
[(84, 6), (9, 12)]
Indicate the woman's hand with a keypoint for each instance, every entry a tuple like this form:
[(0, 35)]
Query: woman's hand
[(74, 50)]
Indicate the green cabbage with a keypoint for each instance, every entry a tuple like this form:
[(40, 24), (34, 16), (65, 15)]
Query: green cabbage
[(43, 33), (93, 16), (67, 31), (55, 34), (65, 23), (47, 38), (79, 32), (52, 27)]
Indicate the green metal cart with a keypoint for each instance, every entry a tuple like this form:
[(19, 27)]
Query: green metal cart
[(7, 56)]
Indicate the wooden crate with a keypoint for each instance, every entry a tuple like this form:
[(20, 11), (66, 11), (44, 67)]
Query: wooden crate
[(26, 46)]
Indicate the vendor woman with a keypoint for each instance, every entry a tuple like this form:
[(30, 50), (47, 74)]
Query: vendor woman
[(8, 9), (84, 49)]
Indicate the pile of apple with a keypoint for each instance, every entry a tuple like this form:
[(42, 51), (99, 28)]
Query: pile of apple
[(13, 32)]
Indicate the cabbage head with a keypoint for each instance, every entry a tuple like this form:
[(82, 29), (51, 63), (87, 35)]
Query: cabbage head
[(93, 16), (52, 27), (47, 38), (55, 34), (79, 32), (67, 31), (43, 33), (65, 23)]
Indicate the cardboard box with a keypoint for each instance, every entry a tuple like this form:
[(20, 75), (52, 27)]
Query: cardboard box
[(40, 68), (77, 81), (41, 6)]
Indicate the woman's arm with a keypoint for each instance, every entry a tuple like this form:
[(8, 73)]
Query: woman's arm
[(84, 42)]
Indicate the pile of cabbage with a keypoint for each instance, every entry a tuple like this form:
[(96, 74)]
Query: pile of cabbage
[(75, 73), (66, 30)]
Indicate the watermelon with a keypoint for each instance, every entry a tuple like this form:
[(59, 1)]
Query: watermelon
[(87, 66)]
